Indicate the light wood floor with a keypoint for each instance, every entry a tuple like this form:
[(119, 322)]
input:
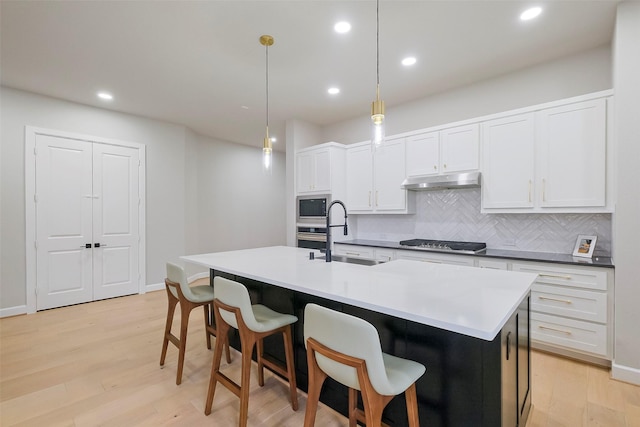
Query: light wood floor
[(98, 364)]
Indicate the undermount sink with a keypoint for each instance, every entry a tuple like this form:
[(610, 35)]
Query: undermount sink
[(352, 260)]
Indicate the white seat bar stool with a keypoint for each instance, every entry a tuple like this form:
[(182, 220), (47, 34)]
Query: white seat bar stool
[(347, 349), (189, 297), (232, 309)]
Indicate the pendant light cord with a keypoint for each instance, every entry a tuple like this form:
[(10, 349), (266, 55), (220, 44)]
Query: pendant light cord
[(378, 42), (267, 85)]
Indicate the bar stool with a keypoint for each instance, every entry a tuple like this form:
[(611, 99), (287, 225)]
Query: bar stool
[(347, 349), (179, 291), (232, 309)]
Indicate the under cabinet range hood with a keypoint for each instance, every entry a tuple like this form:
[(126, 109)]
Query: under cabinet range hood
[(442, 182)]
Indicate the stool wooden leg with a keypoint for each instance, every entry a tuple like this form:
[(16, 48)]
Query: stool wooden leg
[(353, 407), (173, 301), (207, 322), (291, 373), (412, 406), (259, 352), (247, 345), (185, 310), (221, 341), (316, 379)]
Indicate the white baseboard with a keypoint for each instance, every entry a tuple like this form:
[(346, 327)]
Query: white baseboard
[(625, 373), (13, 311)]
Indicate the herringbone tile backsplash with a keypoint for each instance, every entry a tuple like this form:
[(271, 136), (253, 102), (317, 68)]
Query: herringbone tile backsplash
[(455, 215)]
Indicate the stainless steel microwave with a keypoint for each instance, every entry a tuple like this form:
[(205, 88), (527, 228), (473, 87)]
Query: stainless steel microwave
[(313, 208)]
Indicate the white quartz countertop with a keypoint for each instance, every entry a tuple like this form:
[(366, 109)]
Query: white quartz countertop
[(466, 300)]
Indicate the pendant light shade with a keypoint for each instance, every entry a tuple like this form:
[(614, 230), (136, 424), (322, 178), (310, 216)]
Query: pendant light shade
[(377, 106), (267, 150)]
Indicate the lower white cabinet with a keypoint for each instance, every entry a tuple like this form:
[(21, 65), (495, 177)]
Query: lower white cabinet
[(436, 258), (572, 308)]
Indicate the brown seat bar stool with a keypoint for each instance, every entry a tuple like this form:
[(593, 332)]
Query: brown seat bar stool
[(232, 309), (179, 291)]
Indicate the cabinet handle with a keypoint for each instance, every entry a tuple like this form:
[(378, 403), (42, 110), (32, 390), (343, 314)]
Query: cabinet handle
[(432, 262), (508, 344), (566, 301), (445, 165), (555, 276), (435, 167), (529, 191), (376, 198), (369, 198), (544, 185), (555, 330), (353, 253)]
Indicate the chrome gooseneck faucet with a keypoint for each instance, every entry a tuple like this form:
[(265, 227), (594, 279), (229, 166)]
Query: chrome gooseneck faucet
[(328, 251)]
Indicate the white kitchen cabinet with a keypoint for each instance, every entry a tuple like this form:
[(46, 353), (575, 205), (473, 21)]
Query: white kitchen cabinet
[(508, 162), (374, 178), (571, 308), (436, 258), (552, 159), (320, 169), (572, 154), (441, 152), (493, 264)]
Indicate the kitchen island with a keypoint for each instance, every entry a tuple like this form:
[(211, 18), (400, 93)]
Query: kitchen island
[(468, 326)]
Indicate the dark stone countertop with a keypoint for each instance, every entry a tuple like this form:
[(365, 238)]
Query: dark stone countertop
[(596, 261)]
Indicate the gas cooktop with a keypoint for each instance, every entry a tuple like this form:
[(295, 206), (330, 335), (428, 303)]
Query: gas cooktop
[(446, 246)]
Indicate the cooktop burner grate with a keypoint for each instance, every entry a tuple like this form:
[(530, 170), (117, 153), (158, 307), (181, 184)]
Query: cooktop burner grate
[(445, 245)]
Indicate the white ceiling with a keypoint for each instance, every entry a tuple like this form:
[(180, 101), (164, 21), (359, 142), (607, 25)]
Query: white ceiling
[(198, 63)]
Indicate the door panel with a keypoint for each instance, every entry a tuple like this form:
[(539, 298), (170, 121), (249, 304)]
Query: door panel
[(115, 221), (63, 218)]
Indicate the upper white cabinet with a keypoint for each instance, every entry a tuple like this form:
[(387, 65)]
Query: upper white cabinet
[(550, 160), (572, 154), (374, 178), (440, 152), (508, 165), (320, 169)]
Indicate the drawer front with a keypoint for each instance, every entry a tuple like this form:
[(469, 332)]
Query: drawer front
[(493, 265), (385, 254), (572, 334), (436, 258), (354, 251), (586, 278), (569, 302)]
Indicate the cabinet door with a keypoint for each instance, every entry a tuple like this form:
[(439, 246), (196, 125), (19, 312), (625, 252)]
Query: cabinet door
[(507, 162), (359, 179), (459, 148), (389, 174), (509, 350), (572, 155), (322, 171), (304, 172), (423, 154)]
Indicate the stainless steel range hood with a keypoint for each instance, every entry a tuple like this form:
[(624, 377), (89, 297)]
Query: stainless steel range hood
[(442, 182)]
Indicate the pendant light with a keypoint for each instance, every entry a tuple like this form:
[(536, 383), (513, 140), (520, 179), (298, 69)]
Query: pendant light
[(266, 41), (377, 106)]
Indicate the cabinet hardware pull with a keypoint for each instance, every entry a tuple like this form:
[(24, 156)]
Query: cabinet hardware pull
[(445, 165), (555, 276), (432, 262), (529, 191), (435, 167), (554, 329), (376, 198), (566, 301), (508, 344), (544, 185), (369, 198), (353, 253)]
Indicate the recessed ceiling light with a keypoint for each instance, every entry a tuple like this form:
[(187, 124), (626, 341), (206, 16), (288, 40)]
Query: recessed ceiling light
[(410, 60), (333, 90), (105, 95), (342, 27), (530, 13), (244, 107)]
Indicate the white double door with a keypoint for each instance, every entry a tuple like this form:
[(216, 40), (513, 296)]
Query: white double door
[(87, 232)]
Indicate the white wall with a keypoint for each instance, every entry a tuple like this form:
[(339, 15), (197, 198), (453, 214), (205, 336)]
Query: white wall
[(563, 78), (626, 66), (239, 206), (174, 154)]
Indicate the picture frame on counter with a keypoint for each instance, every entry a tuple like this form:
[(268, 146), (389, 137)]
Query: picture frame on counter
[(584, 246)]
